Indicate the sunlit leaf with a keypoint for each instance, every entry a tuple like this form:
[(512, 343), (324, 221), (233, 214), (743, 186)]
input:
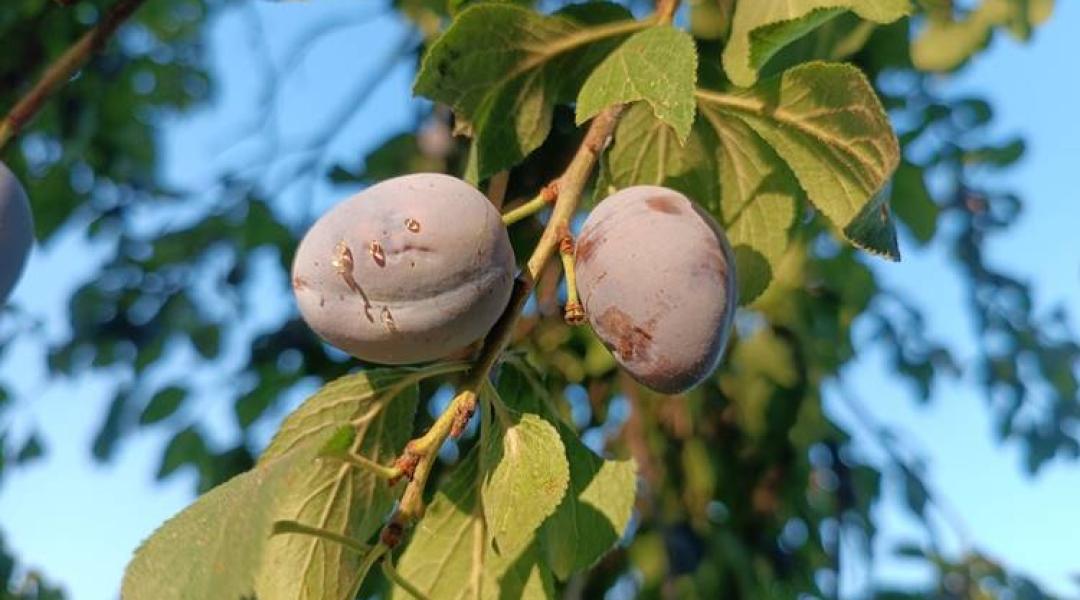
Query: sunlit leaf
[(502, 67), (525, 473), (761, 28), (451, 556), (658, 66)]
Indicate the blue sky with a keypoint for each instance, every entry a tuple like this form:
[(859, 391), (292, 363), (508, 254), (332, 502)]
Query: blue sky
[(79, 521)]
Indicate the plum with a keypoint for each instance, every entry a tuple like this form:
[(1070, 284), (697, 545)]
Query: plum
[(16, 231), (409, 270), (656, 276)]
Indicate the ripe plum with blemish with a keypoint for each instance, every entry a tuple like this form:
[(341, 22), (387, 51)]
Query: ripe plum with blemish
[(409, 270)]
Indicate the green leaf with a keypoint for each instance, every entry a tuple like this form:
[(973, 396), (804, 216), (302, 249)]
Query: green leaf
[(162, 405), (595, 512), (825, 121), (659, 66), (948, 42), (32, 449), (207, 339), (351, 398), (457, 6), (815, 131), (451, 555), (344, 500), (186, 447), (758, 197), (999, 156), (759, 364), (761, 28), (215, 547), (525, 472), (912, 203), (596, 509), (218, 547), (502, 68)]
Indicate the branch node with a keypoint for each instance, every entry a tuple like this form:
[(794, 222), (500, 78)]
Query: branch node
[(461, 418), (391, 534), (550, 192), (566, 244), (405, 465)]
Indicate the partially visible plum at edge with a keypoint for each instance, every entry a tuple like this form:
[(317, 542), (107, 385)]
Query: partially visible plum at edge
[(16, 231)]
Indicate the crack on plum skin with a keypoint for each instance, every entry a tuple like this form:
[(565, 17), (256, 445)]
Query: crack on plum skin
[(299, 283), (388, 320), (375, 249), (664, 204), (343, 263), (412, 225), (630, 340)]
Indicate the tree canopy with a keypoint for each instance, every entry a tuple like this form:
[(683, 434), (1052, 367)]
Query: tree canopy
[(810, 129)]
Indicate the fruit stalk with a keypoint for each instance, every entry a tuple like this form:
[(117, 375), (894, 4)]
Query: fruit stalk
[(575, 312), (422, 452), (63, 68), (537, 204)]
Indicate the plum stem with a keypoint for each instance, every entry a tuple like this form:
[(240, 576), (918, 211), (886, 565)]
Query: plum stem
[(63, 68), (541, 201), (575, 312), (420, 454)]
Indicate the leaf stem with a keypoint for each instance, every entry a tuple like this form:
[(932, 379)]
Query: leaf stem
[(63, 68), (374, 554), (366, 464), (392, 574), (731, 101), (283, 527), (581, 37), (420, 454)]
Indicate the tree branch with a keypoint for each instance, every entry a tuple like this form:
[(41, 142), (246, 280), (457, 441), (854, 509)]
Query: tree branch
[(420, 454), (63, 68)]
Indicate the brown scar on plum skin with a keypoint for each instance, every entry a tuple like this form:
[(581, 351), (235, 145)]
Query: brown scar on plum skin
[(664, 204), (412, 225), (343, 264), (586, 247), (631, 341), (298, 283)]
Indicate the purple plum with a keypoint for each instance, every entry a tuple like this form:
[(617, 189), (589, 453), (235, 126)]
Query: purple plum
[(409, 270), (656, 276), (16, 231)]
